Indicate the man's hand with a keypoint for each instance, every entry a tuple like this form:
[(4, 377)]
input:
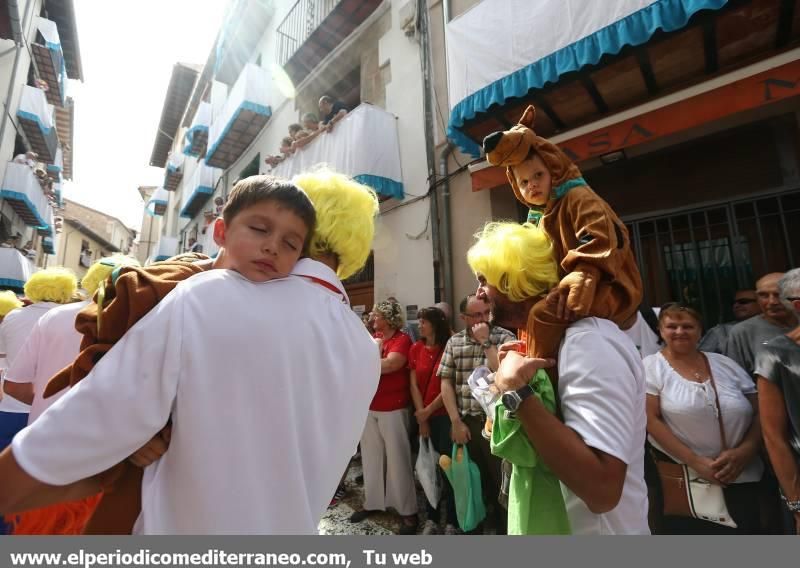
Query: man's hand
[(425, 429), (729, 465), (153, 449), (459, 433), (480, 332), (516, 371), (508, 346)]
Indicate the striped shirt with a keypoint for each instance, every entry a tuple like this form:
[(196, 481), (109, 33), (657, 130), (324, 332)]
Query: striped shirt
[(462, 355)]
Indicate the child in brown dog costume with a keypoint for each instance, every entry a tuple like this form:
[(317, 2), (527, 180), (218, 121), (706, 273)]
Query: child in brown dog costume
[(599, 273)]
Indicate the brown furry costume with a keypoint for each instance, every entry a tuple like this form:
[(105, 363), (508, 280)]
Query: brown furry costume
[(590, 242), (135, 291)]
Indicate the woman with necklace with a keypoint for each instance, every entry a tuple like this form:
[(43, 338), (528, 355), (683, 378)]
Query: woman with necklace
[(426, 393), (682, 420)]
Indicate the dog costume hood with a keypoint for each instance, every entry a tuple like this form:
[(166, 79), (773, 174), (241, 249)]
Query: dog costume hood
[(511, 148)]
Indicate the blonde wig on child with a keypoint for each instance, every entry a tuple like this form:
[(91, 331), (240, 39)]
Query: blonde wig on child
[(346, 213), (516, 259), (51, 285), (8, 302), (102, 269)]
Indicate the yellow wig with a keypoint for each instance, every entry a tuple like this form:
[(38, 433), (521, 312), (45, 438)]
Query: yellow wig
[(101, 270), (8, 302), (346, 213), (516, 259), (51, 285)]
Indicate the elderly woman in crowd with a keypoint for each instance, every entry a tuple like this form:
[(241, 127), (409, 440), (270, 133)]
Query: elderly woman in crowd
[(682, 420), (426, 392), (385, 447), (778, 371)]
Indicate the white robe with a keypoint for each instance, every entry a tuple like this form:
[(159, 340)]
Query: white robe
[(268, 386)]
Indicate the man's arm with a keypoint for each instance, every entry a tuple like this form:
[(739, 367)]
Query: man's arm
[(775, 428), (21, 492), (596, 477), (18, 381), (447, 371)]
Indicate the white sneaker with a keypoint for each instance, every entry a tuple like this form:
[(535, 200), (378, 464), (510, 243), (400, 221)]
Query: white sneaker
[(451, 530), (429, 527)]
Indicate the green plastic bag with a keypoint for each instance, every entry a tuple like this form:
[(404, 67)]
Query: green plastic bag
[(464, 476)]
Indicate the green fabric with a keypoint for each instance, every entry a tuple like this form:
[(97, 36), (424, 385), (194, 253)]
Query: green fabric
[(535, 502), (465, 478)]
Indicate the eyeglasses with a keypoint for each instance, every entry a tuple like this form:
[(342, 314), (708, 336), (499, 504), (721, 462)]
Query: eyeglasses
[(793, 298), (487, 313), (744, 301)]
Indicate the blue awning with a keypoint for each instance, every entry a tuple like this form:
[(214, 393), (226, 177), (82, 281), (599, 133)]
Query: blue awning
[(502, 49)]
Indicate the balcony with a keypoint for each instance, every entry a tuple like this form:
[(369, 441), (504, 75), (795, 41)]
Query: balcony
[(197, 135), (23, 193), (313, 28), (167, 247), (198, 191), (363, 145), (48, 229), (50, 61), (15, 269), (36, 119), (174, 171), (49, 245), (157, 205), (54, 170), (245, 113)]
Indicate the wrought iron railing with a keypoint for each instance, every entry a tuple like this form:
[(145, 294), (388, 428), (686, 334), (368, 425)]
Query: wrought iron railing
[(304, 17)]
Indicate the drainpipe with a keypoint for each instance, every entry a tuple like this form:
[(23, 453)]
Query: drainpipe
[(447, 251), (11, 83)]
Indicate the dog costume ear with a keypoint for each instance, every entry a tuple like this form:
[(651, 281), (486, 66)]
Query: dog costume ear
[(528, 117)]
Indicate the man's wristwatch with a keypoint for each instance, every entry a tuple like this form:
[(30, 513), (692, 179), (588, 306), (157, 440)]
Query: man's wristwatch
[(512, 399), (486, 344)]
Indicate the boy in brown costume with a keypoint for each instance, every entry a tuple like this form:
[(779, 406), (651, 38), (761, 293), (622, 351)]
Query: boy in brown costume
[(599, 273)]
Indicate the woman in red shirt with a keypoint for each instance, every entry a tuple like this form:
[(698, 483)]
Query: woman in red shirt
[(426, 392), (385, 447)]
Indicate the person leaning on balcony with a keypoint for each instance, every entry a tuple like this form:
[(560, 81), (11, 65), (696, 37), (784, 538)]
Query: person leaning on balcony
[(312, 130), (332, 111)]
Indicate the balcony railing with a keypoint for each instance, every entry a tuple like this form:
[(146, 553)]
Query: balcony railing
[(15, 269), (199, 190), (364, 145), (245, 113), (313, 28), (36, 118), (197, 135), (49, 245), (157, 205), (50, 61), (174, 171), (54, 170), (167, 247), (22, 191)]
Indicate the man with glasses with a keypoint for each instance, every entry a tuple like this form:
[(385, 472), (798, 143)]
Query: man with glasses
[(746, 338), (745, 306), (465, 351)]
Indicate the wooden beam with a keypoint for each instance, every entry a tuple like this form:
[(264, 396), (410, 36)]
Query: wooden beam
[(591, 88), (710, 45), (646, 68), (542, 105), (785, 19)]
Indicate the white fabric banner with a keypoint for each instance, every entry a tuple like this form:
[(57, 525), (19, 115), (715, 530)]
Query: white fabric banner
[(252, 86), (166, 247), (497, 37), (34, 101), (175, 160), (364, 142), (14, 266), (203, 176), (20, 178), (48, 29)]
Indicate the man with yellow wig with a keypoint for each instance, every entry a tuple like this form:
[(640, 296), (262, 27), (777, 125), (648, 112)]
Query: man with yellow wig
[(341, 243), (597, 452)]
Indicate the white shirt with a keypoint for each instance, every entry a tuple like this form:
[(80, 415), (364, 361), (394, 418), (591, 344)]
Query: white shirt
[(16, 327), (268, 386), (53, 344), (602, 390), (689, 409), (643, 337)]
